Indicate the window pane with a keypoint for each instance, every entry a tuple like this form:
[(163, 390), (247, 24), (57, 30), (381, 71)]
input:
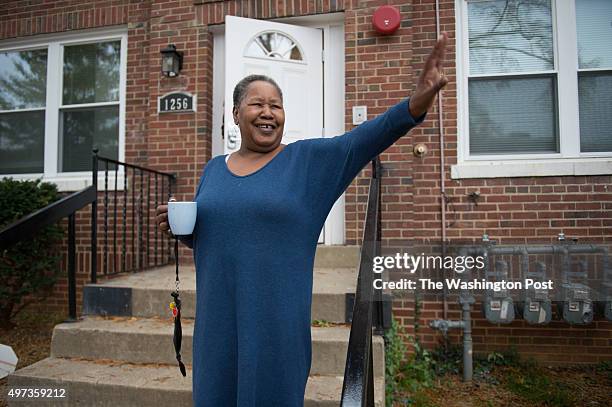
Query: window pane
[(595, 99), (22, 138), (82, 130), (91, 73), (510, 36), (594, 26), (274, 45), (513, 115), (23, 79)]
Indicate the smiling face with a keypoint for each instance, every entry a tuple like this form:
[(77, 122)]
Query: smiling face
[(261, 117)]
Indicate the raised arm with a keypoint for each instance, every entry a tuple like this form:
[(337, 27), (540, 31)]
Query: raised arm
[(339, 159)]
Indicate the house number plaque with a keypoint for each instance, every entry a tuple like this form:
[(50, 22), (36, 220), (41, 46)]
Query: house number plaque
[(176, 102)]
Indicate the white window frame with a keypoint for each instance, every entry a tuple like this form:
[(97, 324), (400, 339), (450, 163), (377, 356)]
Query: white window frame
[(569, 160), (71, 181)]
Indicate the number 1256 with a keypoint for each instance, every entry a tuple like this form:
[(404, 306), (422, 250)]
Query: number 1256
[(176, 104)]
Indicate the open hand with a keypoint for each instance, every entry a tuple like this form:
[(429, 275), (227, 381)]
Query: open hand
[(431, 79)]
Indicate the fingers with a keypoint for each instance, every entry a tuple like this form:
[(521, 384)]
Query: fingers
[(436, 57), (161, 218), (161, 209), (164, 227), (441, 83), (440, 48), (163, 223), (432, 77)]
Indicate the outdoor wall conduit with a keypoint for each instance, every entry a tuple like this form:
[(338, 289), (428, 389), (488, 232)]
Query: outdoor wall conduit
[(442, 172)]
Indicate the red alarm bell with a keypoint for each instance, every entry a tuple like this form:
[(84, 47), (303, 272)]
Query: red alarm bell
[(386, 20)]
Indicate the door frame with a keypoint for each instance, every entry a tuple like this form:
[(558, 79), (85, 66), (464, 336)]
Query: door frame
[(332, 25)]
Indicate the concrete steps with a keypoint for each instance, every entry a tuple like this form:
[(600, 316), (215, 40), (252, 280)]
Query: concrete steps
[(120, 384), (120, 353), (140, 340), (105, 383)]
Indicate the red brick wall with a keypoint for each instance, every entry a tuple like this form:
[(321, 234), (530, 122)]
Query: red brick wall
[(380, 70), (511, 210)]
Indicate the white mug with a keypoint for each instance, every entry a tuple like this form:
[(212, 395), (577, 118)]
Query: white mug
[(182, 217)]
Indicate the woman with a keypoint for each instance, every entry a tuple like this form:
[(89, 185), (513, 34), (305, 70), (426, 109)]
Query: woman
[(260, 212)]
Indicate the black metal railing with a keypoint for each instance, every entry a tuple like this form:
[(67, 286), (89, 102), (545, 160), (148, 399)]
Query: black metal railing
[(136, 254), (29, 225), (137, 245), (358, 386)]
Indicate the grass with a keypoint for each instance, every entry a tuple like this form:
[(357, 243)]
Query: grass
[(321, 323)]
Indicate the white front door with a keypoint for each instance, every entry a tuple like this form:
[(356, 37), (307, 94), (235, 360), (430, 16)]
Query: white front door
[(289, 54)]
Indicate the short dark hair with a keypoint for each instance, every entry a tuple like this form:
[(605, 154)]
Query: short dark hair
[(242, 86)]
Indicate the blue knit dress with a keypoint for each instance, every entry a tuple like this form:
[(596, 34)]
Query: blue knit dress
[(254, 245)]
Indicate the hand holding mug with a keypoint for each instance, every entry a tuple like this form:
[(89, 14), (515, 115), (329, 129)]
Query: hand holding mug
[(182, 217), (161, 218)]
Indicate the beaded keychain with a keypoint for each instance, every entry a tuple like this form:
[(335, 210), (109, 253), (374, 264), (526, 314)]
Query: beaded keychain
[(175, 307)]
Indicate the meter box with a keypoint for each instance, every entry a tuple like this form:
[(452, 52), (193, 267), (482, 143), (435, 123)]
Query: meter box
[(537, 307), (498, 306), (577, 304), (537, 311), (499, 309)]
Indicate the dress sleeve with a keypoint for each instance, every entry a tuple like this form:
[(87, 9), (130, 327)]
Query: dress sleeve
[(188, 240), (336, 161)]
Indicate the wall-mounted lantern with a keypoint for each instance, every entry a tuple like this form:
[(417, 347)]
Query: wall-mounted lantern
[(172, 61)]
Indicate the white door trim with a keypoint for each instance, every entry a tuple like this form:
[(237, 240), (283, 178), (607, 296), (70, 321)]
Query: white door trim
[(333, 95)]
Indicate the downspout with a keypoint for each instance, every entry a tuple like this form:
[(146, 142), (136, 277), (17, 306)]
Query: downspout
[(442, 171)]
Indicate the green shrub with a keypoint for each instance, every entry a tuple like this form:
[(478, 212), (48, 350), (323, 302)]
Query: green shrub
[(31, 266), (419, 371), (406, 374), (448, 357), (605, 367), (395, 349)]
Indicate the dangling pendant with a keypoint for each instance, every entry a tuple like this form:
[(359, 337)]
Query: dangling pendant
[(173, 309)]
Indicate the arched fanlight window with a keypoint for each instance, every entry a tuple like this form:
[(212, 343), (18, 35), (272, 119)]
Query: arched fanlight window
[(274, 44)]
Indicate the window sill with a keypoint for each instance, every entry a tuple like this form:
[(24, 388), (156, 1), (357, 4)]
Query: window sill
[(540, 168), (73, 183)]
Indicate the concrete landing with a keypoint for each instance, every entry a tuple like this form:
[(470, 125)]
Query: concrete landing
[(147, 294)]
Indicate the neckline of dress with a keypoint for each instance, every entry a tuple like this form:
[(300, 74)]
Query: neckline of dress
[(256, 171)]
